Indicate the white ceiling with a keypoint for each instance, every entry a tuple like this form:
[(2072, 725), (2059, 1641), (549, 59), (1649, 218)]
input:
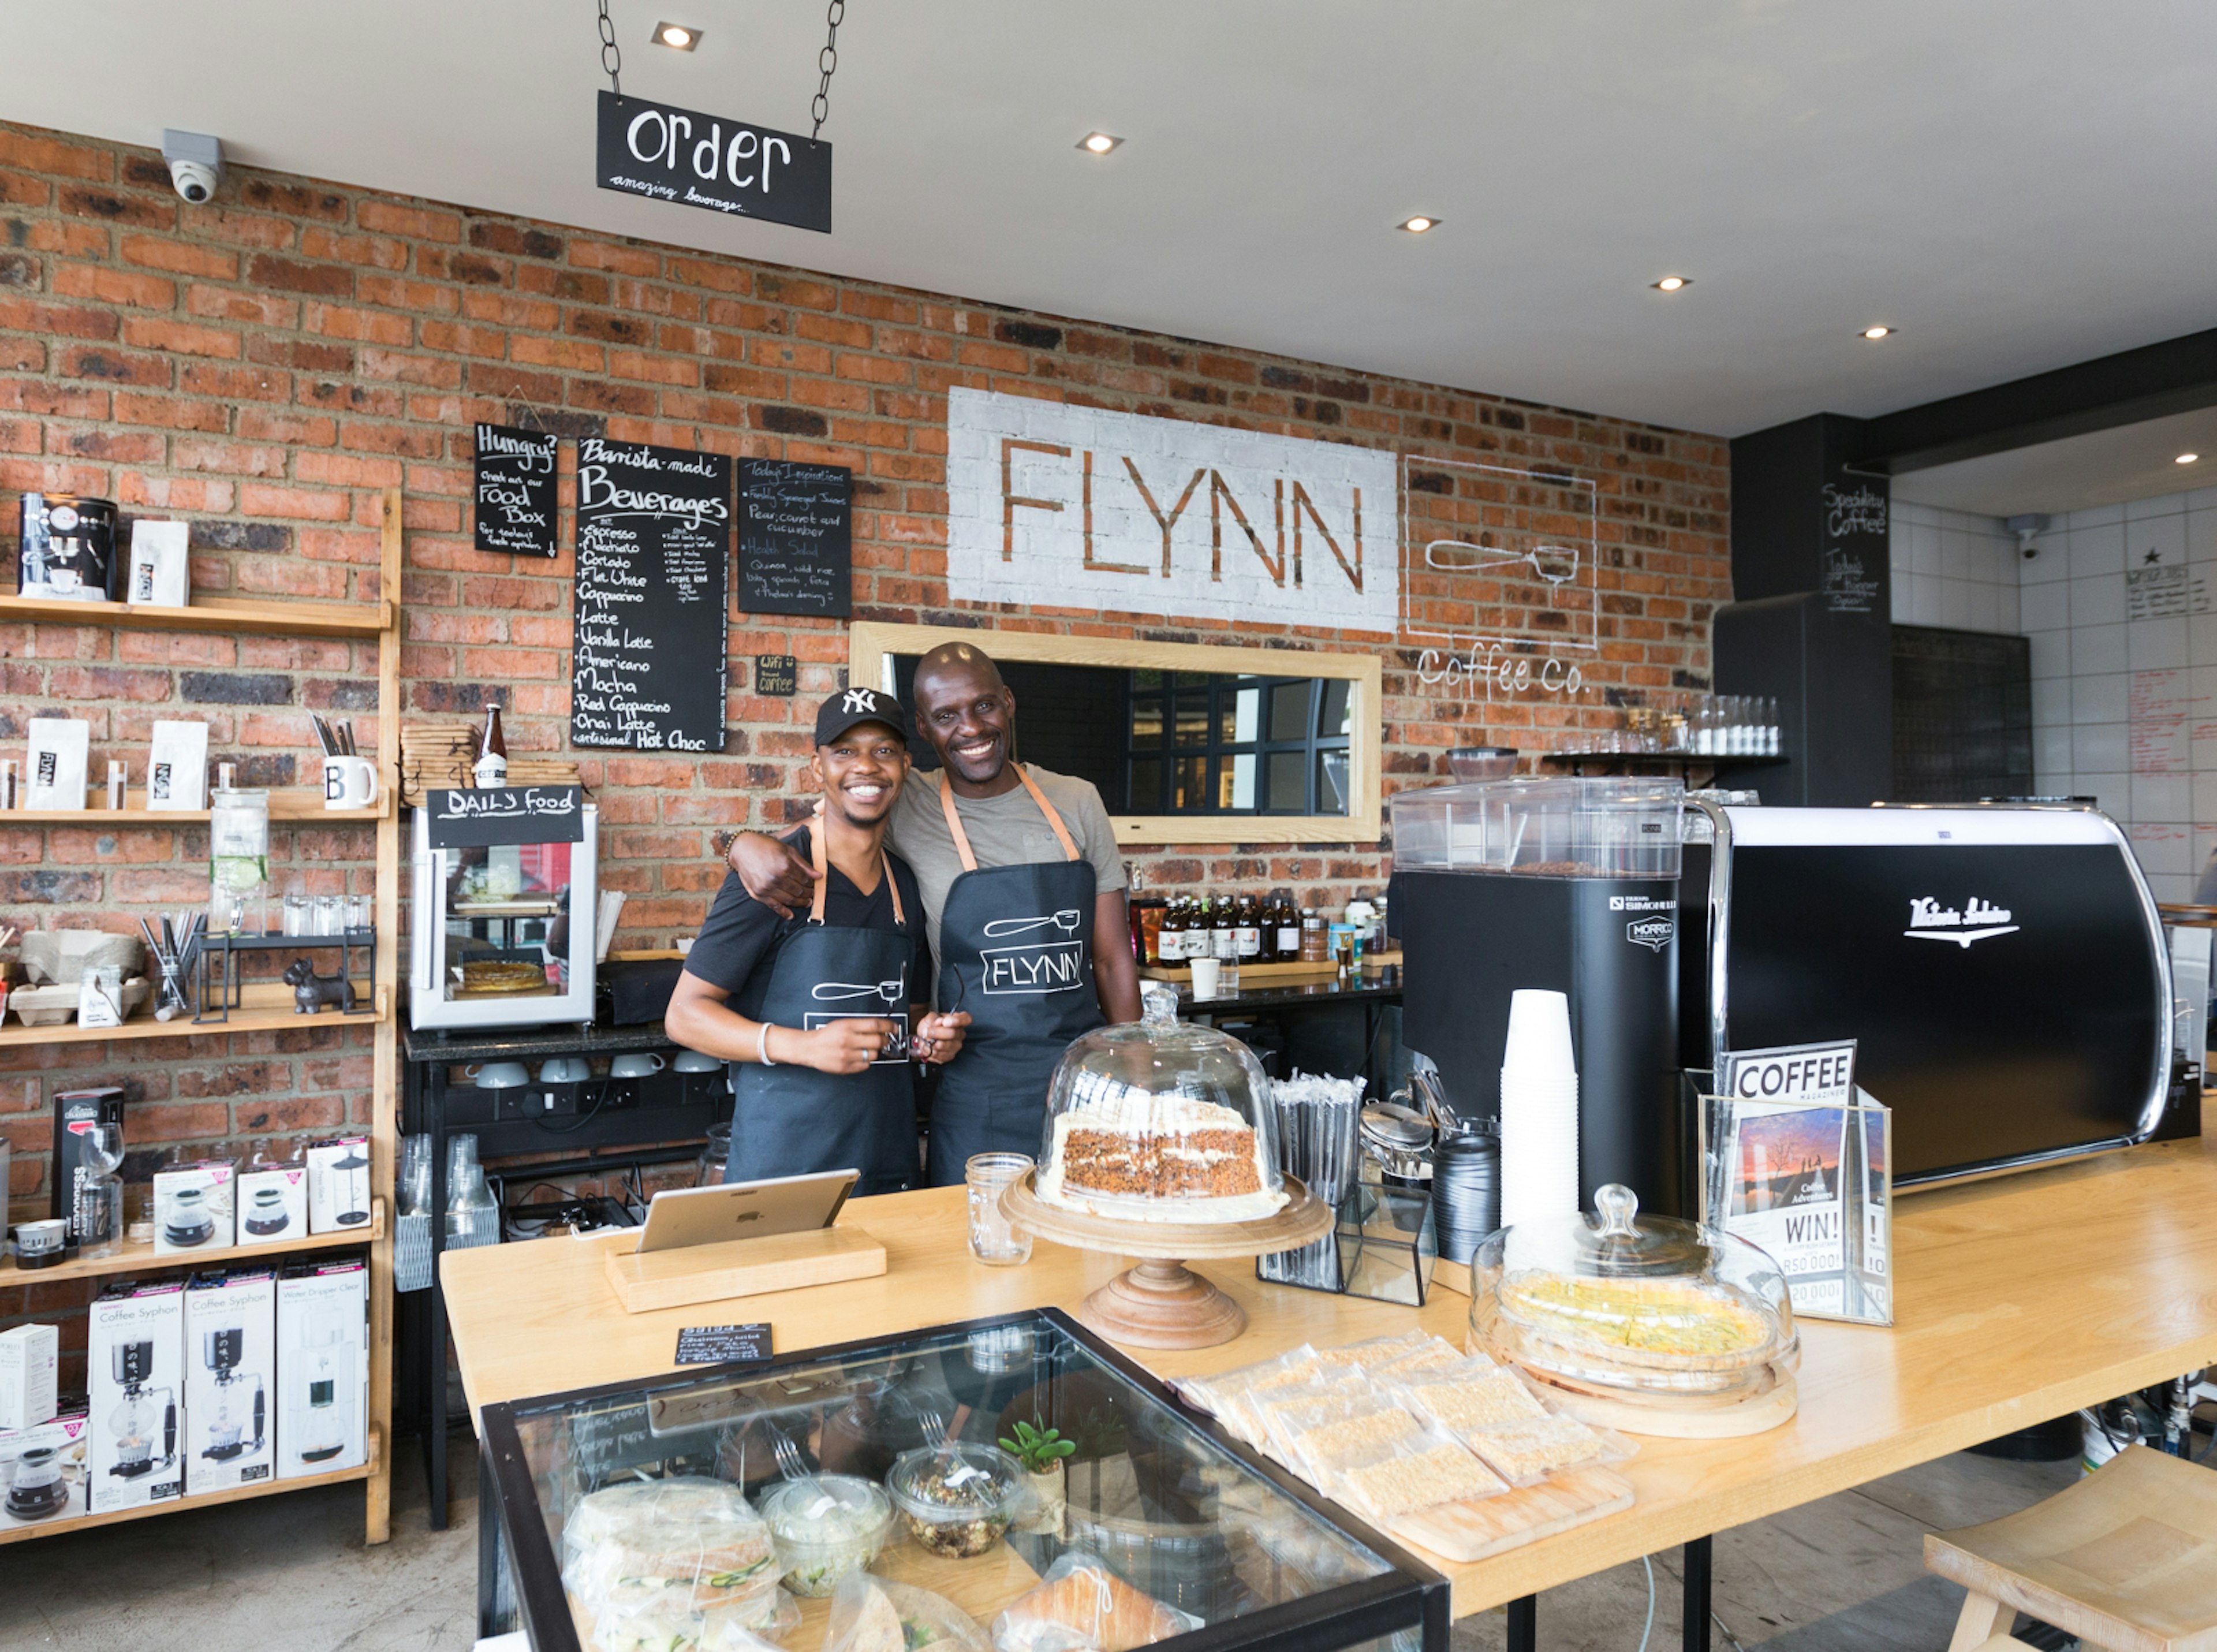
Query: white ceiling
[(2015, 184), (2132, 461)]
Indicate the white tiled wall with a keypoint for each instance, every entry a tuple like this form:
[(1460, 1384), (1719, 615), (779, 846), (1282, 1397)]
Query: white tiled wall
[(2125, 708), (1952, 568)]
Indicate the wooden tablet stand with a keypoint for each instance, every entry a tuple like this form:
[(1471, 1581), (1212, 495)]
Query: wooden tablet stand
[(740, 1267)]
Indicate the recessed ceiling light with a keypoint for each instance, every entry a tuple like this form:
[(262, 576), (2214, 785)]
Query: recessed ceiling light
[(1098, 143), (1878, 332), (1419, 224), (2186, 458), (676, 36), (1671, 283)]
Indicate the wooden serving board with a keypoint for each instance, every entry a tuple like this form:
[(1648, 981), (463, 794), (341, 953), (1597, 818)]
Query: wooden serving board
[(1470, 1532), (740, 1267)]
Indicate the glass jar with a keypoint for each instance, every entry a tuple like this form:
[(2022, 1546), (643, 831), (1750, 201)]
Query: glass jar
[(993, 1240), (1160, 1120), (715, 1157), (1620, 1301), (957, 1500), (238, 858)]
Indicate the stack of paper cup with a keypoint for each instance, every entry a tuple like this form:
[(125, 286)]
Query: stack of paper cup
[(1539, 1111)]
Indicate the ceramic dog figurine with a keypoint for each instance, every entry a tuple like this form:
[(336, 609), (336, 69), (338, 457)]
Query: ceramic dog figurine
[(311, 991)]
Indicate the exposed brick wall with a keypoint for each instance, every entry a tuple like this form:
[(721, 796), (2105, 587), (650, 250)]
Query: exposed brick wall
[(264, 365)]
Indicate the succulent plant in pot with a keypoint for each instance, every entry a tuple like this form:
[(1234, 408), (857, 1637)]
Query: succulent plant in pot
[(1041, 1452)]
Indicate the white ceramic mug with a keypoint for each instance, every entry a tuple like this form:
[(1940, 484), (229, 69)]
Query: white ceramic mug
[(636, 1065), (1207, 974), (349, 783), (692, 1061), (499, 1075), (564, 1069)]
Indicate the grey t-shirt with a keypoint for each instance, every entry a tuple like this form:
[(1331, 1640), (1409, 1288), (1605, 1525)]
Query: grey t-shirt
[(1005, 830)]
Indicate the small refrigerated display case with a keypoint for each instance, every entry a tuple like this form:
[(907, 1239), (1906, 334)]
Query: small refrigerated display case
[(503, 910), (1153, 1508)]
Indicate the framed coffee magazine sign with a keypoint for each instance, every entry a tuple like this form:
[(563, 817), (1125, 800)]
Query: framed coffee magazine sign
[(1796, 1160)]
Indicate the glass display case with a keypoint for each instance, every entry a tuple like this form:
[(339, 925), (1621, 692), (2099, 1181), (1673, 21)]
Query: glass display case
[(740, 1479), (504, 916)]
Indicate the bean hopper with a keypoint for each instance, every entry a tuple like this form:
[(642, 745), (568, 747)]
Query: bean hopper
[(137, 1417), (239, 1400)]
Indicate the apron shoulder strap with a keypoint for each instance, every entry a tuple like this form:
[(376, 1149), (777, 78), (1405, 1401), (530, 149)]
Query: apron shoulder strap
[(962, 838), (820, 856)]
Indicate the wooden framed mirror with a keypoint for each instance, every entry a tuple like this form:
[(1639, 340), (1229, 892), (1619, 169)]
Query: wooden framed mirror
[(1189, 743)]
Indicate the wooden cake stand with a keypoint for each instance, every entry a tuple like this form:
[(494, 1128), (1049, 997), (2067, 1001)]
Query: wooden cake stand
[(1162, 1303)]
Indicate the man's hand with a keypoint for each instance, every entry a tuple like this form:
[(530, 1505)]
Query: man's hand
[(846, 1045), (939, 1037), (773, 872)]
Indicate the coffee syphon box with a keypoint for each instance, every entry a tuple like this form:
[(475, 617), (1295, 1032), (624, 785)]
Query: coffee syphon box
[(134, 1367), (230, 1374)]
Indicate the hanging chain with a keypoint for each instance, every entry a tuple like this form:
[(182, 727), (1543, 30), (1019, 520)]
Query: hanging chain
[(611, 54), (827, 61)]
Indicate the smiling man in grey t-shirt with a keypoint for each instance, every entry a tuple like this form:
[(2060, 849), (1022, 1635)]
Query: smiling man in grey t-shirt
[(1023, 898)]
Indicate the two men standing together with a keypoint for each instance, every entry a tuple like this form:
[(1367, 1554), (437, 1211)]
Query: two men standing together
[(1015, 873)]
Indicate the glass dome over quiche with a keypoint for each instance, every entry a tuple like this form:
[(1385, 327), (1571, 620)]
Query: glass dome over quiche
[(1161, 1120), (1617, 1301)]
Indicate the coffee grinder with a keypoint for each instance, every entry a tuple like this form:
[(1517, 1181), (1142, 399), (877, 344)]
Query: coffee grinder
[(132, 1422), (221, 1350), (1568, 885)]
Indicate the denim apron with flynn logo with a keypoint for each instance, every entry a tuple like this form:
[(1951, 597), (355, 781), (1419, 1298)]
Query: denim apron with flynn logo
[(790, 1120), (1016, 948)]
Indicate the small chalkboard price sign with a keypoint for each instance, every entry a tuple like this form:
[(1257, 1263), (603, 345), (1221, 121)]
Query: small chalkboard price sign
[(777, 675), (796, 538), (654, 544), (514, 491)]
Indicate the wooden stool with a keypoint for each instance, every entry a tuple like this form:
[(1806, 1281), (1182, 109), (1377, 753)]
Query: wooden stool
[(2125, 1560)]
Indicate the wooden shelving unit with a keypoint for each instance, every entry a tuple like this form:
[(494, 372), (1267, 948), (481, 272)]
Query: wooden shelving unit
[(143, 1259), (286, 803), (251, 1018), (253, 616), (244, 615), (374, 1470)]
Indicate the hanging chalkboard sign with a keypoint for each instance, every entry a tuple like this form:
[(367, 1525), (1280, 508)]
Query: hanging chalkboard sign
[(796, 538), (514, 491), (712, 162), (654, 545)]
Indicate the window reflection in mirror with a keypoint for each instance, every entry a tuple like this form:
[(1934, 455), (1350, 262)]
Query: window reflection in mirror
[(1161, 742)]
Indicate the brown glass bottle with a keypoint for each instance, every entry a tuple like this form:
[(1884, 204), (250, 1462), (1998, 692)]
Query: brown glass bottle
[(492, 751)]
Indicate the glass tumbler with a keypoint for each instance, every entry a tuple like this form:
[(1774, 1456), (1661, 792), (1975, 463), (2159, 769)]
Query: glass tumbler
[(993, 1241)]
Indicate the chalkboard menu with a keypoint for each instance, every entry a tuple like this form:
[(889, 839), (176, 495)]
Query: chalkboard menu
[(490, 815), (796, 537), (514, 491), (654, 539)]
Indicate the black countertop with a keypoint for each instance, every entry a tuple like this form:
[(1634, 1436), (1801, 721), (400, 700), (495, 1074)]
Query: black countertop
[(1279, 995), (526, 1043)]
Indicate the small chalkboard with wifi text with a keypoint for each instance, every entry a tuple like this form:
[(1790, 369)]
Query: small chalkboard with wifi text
[(796, 538)]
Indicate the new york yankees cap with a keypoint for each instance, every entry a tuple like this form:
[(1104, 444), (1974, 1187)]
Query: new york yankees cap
[(845, 709)]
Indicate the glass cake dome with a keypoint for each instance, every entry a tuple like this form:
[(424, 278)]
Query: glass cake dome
[(1161, 1120), (1622, 1301)]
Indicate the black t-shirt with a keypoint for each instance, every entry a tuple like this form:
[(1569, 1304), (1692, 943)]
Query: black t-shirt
[(739, 942)]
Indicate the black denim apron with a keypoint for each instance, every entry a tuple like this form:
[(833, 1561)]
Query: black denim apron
[(790, 1120), (1016, 948)]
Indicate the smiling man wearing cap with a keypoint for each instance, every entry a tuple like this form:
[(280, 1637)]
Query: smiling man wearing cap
[(819, 1010), (1023, 892)]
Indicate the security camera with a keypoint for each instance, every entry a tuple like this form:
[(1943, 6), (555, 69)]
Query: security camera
[(195, 164)]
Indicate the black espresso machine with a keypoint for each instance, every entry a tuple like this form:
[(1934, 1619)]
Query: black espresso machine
[(2003, 970)]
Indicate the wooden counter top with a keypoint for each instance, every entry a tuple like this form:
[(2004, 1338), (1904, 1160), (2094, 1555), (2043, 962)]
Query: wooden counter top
[(2020, 1299)]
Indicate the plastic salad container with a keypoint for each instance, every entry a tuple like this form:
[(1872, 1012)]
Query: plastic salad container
[(957, 1500), (825, 1526)]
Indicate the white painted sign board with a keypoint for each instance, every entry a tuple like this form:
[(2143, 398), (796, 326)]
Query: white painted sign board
[(1083, 507)]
